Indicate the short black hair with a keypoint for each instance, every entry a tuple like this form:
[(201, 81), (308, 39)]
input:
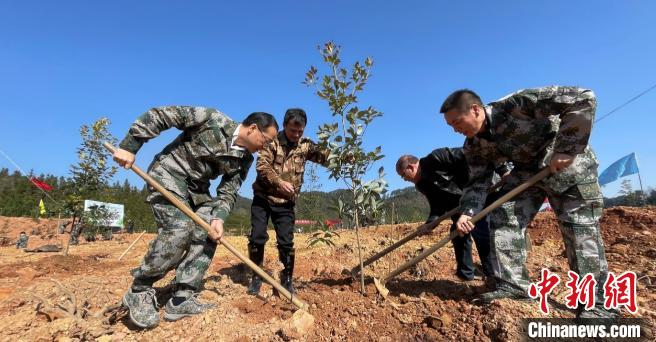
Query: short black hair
[(461, 100), (295, 114), (404, 161), (261, 119)]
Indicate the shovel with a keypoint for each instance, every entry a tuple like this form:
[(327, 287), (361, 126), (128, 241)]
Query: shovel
[(426, 227), (380, 284), (185, 209)]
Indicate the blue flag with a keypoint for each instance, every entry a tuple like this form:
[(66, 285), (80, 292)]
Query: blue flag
[(623, 167)]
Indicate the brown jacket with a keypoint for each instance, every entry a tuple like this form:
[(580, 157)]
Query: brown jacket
[(282, 161)]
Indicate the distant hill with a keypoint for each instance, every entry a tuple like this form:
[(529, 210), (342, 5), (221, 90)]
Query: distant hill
[(408, 206), (20, 198)]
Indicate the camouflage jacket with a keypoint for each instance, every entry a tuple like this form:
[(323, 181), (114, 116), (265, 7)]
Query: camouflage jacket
[(202, 152), (22, 241), (282, 161), (527, 128)]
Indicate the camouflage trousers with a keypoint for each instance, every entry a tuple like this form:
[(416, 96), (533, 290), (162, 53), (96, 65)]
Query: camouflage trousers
[(578, 210), (22, 243), (180, 244), (74, 238)]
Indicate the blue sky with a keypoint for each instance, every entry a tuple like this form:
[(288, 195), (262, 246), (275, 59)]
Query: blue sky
[(66, 63)]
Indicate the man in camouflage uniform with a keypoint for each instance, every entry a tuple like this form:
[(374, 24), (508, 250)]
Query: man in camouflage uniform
[(130, 227), (533, 128), (62, 227), (21, 243), (107, 233), (279, 179), (210, 145), (76, 231)]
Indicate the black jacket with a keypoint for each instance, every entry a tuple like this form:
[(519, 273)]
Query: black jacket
[(443, 175)]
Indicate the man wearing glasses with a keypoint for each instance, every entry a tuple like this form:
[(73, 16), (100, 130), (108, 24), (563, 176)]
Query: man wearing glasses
[(210, 145), (280, 168)]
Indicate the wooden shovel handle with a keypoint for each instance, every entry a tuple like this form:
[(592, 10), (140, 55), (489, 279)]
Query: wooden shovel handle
[(514, 192), (421, 229)]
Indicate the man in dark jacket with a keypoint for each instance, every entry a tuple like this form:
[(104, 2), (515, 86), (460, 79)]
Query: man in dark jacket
[(440, 176)]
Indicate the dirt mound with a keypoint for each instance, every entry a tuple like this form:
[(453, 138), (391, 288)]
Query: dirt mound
[(615, 222), (426, 303), (40, 231)]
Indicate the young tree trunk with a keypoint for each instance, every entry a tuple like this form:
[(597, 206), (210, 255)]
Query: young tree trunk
[(357, 236)]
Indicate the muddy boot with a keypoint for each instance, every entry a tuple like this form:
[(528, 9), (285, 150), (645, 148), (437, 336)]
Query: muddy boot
[(180, 307), (503, 291), (287, 258), (256, 254), (143, 308)]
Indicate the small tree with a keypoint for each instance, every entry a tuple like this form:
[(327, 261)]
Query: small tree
[(308, 205), (92, 172), (323, 235), (348, 160)]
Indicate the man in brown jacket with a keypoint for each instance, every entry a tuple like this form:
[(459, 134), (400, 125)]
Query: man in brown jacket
[(280, 167)]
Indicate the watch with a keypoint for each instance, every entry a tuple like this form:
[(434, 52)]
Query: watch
[(468, 212)]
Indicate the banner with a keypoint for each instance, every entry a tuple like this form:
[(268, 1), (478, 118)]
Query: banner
[(41, 185), (111, 212)]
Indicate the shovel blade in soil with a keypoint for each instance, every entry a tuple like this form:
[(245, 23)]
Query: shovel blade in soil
[(381, 288)]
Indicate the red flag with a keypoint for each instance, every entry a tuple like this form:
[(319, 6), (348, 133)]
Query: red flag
[(41, 185)]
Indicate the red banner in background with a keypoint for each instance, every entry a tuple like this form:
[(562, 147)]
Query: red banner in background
[(41, 185)]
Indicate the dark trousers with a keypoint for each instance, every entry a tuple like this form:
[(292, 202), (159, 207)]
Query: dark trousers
[(462, 247), (282, 217)]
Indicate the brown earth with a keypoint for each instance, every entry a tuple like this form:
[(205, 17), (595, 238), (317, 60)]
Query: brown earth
[(41, 231), (433, 306)]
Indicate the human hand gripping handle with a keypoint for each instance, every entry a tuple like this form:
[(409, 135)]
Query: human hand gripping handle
[(123, 158), (216, 233), (466, 223), (559, 161)]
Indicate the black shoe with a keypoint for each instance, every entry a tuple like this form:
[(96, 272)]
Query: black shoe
[(255, 285), (286, 282), (465, 278), (256, 254)]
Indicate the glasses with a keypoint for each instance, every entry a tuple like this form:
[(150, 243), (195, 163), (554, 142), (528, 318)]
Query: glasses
[(267, 141)]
